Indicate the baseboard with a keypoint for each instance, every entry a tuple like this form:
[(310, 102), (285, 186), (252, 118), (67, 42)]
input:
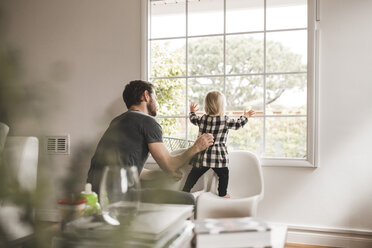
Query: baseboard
[(333, 237)]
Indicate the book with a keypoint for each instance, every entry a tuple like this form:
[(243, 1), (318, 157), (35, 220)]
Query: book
[(180, 237), (155, 220), (155, 226), (232, 232)]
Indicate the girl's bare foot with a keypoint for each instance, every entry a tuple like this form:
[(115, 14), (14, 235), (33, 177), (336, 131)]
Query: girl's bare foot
[(226, 196)]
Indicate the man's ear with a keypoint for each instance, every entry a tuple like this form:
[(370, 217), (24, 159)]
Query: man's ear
[(146, 96)]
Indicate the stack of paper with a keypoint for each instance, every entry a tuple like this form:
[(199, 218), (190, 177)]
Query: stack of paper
[(155, 226), (232, 232)]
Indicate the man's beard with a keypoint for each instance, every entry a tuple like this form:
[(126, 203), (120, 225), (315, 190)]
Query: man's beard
[(151, 107)]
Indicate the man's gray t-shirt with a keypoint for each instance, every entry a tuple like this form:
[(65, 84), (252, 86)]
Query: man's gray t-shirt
[(124, 143)]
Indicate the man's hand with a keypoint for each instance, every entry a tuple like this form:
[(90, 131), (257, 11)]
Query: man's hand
[(193, 107), (177, 175), (203, 142), (172, 163)]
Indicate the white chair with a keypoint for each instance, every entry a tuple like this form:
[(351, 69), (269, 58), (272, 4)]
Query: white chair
[(166, 182), (245, 187), (19, 163), (4, 129)]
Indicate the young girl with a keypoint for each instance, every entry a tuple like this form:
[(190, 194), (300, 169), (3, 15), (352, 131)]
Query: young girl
[(216, 157)]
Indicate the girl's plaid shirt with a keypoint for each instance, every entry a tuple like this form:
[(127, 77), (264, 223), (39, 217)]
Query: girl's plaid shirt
[(215, 156)]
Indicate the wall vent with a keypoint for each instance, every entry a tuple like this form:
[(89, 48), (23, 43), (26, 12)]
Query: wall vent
[(58, 144)]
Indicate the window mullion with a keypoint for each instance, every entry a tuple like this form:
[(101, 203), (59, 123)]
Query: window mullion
[(187, 68), (234, 75), (224, 47), (264, 86)]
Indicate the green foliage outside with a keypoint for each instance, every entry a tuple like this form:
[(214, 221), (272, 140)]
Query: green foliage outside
[(285, 137)]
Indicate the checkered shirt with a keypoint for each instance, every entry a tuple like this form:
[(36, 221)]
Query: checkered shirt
[(215, 156)]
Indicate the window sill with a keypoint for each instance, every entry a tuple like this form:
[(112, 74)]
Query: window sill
[(267, 162), (281, 162)]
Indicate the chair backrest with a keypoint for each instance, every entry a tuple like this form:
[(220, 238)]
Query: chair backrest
[(21, 158), (185, 171), (169, 183), (4, 129), (245, 175)]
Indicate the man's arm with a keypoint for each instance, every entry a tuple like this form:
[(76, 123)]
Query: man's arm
[(147, 174), (172, 163)]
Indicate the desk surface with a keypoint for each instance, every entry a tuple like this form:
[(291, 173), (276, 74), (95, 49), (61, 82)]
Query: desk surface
[(278, 236)]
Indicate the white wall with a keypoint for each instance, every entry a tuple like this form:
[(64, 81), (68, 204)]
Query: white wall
[(82, 52), (339, 192), (75, 58)]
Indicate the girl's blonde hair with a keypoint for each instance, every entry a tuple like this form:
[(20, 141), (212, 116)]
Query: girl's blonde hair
[(214, 103)]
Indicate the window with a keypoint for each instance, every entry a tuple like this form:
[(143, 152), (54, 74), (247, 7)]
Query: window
[(259, 53)]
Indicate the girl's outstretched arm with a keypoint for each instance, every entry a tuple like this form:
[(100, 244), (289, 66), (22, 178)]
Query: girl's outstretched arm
[(241, 121), (237, 123), (193, 117)]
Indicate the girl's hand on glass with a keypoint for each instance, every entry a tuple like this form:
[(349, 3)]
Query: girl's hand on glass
[(250, 113), (194, 107)]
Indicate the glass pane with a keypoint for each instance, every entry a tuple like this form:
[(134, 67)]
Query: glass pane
[(205, 56), (286, 51), (199, 87), (193, 131), (173, 127), (168, 58), (244, 53), (205, 17), (286, 137), (285, 14), (286, 94), (171, 96), (250, 137), (244, 15), (168, 18), (244, 93)]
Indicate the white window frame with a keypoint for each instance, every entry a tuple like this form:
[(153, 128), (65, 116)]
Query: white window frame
[(312, 83)]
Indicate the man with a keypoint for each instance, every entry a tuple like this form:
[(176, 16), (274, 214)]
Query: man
[(132, 135)]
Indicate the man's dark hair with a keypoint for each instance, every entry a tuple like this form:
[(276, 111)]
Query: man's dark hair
[(133, 92)]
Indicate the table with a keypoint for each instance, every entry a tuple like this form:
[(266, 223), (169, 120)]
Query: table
[(278, 235), (178, 233)]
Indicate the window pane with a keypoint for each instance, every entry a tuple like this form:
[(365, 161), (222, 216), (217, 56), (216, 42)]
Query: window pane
[(168, 18), (286, 137), (285, 14), (244, 53), (205, 17), (171, 96), (286, 51), (244, 93), (193, 131), (173, 127), (206, 56), (199, 87), (168, 58), (250, 137), (286, 94), (244, 15)]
